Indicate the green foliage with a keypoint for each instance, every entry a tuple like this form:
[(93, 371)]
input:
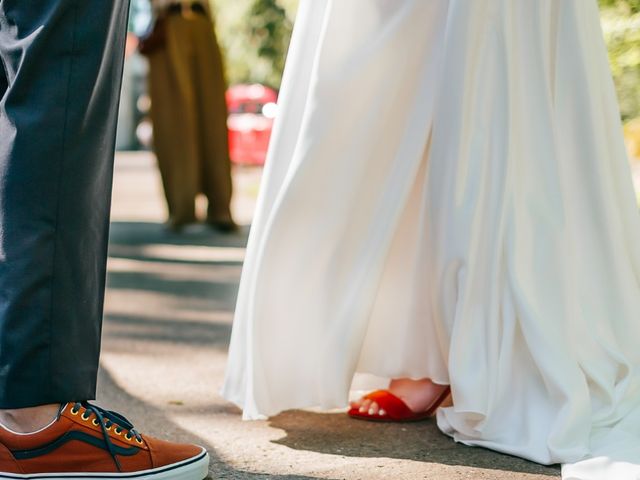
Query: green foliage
[(621, 26), (623, 6), (255, 36), (269, 32)]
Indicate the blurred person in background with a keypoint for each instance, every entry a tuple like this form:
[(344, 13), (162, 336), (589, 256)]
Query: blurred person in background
[(189, 112), (447, 206), (134, 131), (60, 75)]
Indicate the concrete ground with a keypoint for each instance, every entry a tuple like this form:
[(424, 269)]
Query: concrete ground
[(168, 320)]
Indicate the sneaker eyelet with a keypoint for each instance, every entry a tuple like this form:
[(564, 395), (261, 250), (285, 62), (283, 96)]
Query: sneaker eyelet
[(96, 422), (73, 411), (139, 441), (85, 418), (117, 432), (107, 428), (128, 436)]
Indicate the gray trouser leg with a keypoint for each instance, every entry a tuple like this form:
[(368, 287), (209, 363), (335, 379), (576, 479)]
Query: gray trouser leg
[(63, 66)]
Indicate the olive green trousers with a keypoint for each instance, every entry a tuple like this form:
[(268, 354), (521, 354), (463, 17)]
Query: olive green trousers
[(189, 115)]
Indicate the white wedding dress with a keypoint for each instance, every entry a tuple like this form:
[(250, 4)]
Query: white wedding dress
[(447, 195)]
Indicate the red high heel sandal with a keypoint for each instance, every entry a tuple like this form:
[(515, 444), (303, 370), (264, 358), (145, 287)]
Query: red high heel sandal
[(395, 410)]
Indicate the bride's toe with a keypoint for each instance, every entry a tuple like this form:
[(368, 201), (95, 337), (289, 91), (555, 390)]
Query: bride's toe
[(374, 408), (365, 406)]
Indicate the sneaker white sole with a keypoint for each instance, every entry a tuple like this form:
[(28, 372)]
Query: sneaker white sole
[(195, 468)]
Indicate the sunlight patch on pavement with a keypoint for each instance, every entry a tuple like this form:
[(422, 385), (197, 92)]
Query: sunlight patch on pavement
[(184, 253)]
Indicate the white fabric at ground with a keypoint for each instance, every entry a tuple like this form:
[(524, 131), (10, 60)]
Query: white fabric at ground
[(447, 196)]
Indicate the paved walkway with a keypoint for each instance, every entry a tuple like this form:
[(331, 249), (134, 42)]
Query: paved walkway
[(169, 310)]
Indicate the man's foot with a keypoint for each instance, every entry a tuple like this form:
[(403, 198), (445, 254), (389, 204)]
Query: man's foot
[(418, 395), (85, 440)]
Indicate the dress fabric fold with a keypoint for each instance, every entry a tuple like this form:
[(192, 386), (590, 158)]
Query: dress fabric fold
[(447, 195)]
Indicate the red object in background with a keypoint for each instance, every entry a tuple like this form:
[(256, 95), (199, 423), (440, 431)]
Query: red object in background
[(252, 109)]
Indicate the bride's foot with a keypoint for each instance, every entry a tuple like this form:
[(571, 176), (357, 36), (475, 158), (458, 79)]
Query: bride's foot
[(418, 395)]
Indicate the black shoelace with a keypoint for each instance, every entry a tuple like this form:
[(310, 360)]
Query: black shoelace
[(108, 419)]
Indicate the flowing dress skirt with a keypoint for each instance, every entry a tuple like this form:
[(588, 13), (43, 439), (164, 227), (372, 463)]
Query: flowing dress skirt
[(447, 195)]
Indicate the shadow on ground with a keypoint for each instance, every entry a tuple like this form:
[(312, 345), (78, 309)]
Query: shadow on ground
[(186, 332), (144, 233), (112, 396), (337, 434), (160, 300), (187, 303)]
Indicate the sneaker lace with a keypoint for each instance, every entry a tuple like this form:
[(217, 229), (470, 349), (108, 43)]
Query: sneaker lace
[(107, 419)]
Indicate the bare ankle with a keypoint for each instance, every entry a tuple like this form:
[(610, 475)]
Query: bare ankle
[(419, 395), (29, 420)]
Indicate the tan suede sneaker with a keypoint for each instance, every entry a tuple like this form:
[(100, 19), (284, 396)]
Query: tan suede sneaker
[(88, 442)]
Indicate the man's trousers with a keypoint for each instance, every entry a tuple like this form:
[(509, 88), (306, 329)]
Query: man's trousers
[(60, 81)]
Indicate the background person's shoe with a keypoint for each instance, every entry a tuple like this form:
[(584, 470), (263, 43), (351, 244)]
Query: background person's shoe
[(86, 441), (224, 226)]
